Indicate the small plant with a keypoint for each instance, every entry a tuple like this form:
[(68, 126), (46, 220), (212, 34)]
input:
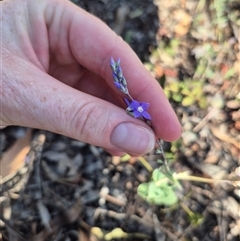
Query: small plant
[(160, 190), (187, 92)]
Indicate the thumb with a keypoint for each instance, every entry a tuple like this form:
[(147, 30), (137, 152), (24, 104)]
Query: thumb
[(45, 103)]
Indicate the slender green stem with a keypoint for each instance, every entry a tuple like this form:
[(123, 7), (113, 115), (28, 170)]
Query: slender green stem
[(183, 176), (187, 209), (186, 177), (145, 163)]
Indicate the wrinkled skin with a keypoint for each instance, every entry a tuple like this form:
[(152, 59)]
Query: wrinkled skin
[(56, 76)]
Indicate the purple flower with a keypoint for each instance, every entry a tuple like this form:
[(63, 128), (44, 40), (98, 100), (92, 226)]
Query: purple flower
[(121, 87), (135, 108), (138, 109)]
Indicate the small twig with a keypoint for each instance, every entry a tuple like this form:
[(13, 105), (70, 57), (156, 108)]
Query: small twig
[(160, 151), (225, 137), (114, 200), (212, 113), (54, 177), (33, 155)]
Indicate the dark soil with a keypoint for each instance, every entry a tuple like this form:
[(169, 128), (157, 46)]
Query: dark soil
[(67, 188)]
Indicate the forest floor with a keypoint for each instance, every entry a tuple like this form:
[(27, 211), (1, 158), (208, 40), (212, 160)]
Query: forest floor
[(67, 190)]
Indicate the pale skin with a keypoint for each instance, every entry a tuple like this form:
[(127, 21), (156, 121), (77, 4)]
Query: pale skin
[(56, 76)]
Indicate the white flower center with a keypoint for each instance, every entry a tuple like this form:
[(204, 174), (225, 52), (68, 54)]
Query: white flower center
[(140, 109)]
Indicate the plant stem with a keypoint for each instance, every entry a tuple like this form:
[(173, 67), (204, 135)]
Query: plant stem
[(183, 176)]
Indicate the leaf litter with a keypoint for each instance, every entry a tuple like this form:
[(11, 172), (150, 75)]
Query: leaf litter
[(66, 188)]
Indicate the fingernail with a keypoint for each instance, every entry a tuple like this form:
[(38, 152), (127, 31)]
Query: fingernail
[(133, 138)]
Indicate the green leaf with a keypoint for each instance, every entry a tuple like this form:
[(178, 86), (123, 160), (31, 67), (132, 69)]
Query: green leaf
[(177, 97), (174, 87), (143, 189), (229, 73), (186, 91), (169, 155), (167, 93), (157, 175), (187, 101), (200, 70), (160, 162), (136, 13), (128, 36), (203, 103), (197, 91), (174, 42), (159, 195), (162, 195), (166, 173), (209, 73)]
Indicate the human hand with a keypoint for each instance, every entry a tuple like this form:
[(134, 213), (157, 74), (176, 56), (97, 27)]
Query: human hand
[(56, 76)]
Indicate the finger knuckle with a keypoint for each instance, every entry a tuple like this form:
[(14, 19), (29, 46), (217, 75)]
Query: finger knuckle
[(89, 120)]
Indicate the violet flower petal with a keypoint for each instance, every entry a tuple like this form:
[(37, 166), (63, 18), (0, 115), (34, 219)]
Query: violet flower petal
[(137, 114), (127, 102), (135, 104), (119, 86), (115, 78), (145, 105), (146, 115)]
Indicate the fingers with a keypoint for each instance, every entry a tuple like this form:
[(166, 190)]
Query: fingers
[(42, 102), (92, 44), (35, 99)]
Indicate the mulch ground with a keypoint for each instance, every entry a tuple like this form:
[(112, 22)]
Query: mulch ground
[(67, 190)]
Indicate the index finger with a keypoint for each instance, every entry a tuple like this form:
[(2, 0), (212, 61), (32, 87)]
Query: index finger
[(92, 44)]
